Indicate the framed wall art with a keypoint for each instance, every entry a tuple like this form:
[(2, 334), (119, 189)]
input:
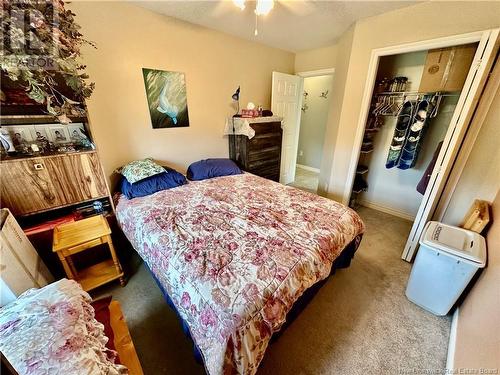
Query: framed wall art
[(167, 98)]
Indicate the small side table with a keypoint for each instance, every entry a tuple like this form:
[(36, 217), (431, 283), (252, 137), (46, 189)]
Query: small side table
[(81, 235)]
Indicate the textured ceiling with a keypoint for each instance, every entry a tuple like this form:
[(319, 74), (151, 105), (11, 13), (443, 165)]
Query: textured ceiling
[(291, 25)]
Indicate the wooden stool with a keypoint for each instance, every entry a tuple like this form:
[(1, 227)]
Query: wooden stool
[(72, 238)]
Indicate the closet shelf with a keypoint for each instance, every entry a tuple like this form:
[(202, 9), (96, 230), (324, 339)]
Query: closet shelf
[(358, 191), (408, 93), (361, 169)]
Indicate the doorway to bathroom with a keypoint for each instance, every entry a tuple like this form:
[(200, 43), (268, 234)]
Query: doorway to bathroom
[(317, 92)]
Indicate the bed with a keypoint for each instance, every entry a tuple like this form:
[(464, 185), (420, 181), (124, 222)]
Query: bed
[(233, 255), (55, 330)]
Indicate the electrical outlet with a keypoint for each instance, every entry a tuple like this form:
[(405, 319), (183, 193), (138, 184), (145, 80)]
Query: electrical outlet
[(301, 153)]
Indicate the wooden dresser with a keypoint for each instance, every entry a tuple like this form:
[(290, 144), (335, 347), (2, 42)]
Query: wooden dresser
[(261, 154), (35, 184)]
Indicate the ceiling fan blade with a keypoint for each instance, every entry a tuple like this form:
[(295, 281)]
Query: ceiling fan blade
[(298, 8)]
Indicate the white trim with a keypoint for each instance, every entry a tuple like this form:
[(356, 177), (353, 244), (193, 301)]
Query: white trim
[(316, 73), (450, 358), (387, 210), (308, 168), (480, 114), (448, 41)]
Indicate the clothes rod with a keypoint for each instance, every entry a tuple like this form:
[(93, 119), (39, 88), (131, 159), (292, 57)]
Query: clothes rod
[(409, 93)]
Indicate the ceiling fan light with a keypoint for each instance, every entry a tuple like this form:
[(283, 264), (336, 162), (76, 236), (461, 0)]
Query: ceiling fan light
[(240, 4), (263, 7)]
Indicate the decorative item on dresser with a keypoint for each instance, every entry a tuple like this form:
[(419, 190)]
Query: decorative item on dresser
[(256, 145)]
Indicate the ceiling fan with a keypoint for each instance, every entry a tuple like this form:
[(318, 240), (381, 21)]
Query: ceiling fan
[(262, 7)]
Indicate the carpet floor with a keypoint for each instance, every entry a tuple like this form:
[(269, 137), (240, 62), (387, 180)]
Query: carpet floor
[(360, 322)]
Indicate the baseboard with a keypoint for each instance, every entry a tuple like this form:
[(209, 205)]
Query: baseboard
[(387, 210), (307, 168), (450, 359)]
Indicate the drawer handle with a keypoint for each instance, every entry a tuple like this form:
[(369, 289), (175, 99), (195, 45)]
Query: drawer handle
[(38, 166)]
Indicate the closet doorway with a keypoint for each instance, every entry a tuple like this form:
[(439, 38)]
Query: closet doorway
[(317, 92), (417, 106)]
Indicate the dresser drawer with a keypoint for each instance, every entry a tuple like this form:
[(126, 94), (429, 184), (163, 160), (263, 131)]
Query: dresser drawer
[(271, 171), (264, 141), (270, 153), (266, 127), (264, 163)]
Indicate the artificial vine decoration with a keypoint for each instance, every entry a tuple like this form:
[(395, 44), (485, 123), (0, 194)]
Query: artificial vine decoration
[(40, 52)]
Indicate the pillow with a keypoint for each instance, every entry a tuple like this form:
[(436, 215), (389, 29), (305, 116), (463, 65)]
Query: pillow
[(168, 179), (210, 168), (140, 169)]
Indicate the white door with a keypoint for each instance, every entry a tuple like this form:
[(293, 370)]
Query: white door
[(286, 102), (474, 84)]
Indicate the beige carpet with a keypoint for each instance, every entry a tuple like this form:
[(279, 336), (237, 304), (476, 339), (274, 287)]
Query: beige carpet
[(360, 322)]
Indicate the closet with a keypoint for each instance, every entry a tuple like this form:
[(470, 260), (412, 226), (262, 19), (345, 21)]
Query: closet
[(412, 104)]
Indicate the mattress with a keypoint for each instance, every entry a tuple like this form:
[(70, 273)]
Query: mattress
[(234, 253)]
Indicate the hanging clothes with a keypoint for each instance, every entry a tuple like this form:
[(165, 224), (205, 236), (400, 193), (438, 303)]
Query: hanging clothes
[(415, 135), (408, 134), (402, 125)]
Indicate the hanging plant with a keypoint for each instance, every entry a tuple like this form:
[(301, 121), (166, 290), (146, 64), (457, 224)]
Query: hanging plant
[(40, 53)]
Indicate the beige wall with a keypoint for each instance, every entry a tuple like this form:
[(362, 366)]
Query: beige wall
[(342, 64), (480, 178), (316, 59), (129, 38), (477, 342), (423, 21)]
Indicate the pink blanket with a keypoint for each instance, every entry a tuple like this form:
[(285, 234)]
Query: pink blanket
[(234, 253), (53, 330)]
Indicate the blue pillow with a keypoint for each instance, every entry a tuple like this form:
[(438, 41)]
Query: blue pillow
[(209, 168), (150, 185)]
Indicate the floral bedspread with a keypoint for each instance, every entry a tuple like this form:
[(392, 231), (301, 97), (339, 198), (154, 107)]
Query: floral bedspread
[(52, 330), (234, 253)]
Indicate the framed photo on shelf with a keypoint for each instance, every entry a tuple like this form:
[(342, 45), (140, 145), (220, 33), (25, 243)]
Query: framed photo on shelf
[(39, 133), (77, 132), (58, 134), (20, 135)]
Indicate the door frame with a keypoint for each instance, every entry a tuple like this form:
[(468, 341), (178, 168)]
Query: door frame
[(464, 101), (316, 73), (483, 107)]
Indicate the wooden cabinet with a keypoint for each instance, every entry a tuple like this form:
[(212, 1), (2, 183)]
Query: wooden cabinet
[(30, 185), (260, 155)]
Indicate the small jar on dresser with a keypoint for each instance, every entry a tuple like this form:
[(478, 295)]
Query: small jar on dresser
[(255, 145)]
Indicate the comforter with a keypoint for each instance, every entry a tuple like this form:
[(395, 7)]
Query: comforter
[(53, 330), (234, 253)]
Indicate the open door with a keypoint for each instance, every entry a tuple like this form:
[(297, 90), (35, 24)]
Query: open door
[(286, 101), (481, 66)]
